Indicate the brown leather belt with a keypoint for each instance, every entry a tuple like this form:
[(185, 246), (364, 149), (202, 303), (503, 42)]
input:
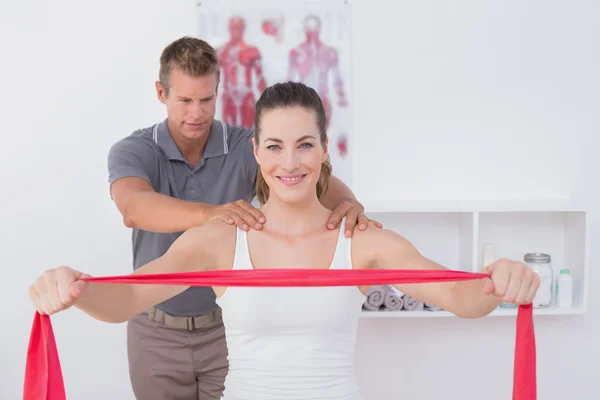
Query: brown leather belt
[(185, 323)]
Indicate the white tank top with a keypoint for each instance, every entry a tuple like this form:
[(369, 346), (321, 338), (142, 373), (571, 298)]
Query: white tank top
[(291, 343)]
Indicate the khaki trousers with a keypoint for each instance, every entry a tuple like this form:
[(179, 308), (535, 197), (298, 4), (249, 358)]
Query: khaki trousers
[(174, 358)]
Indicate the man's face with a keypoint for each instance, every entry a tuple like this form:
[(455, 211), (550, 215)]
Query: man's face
[(191, 103)]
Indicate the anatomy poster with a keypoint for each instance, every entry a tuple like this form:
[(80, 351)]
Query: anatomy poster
[(262, 42)]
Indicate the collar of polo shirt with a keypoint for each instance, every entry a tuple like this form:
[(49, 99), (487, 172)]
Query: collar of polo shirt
[(215, 146)]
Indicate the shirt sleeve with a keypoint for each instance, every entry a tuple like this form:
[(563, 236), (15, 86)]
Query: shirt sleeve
[(132, 157)]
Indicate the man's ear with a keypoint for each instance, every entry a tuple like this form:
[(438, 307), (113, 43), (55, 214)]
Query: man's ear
[(161, 93)]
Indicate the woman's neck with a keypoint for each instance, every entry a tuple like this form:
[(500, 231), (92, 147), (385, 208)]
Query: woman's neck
[(295, 218)]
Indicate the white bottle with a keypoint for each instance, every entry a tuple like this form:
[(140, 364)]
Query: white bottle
[(564, 289), (488, 255)]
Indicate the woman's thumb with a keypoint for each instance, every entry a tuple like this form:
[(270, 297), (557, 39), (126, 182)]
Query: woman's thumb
[(79, 287), (488, 286)]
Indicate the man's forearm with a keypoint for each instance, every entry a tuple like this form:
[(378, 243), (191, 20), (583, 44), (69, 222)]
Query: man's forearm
[(337, 191), (156, 212)]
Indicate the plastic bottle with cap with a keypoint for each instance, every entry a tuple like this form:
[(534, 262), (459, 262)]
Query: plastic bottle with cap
[(564, 289)]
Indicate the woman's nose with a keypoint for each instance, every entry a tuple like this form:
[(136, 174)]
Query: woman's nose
[(290, 161)]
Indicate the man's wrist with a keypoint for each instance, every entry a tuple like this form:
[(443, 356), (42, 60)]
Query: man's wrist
[(205, 212)]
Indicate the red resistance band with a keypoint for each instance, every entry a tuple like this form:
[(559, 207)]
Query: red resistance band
[(43, 375)]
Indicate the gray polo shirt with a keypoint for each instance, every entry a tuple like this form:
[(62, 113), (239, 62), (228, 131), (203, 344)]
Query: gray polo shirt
[(226, 173)]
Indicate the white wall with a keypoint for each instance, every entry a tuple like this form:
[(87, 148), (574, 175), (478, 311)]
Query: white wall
[(478, 100)]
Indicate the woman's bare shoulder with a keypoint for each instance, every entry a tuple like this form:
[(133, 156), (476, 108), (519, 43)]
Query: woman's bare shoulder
[(369, 245), (373, 234), (370, 234), (214, 227)]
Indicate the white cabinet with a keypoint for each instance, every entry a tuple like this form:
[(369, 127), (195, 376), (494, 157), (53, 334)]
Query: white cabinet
[(453, 234)]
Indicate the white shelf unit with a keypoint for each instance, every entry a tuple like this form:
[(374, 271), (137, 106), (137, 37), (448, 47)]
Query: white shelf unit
[(453, 234)]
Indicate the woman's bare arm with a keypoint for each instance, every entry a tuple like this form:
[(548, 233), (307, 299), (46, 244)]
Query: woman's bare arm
[(196, 249), (385, 249)]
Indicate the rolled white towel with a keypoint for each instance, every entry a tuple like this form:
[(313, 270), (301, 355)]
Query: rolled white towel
[(395, 291), (393, 302), (375, 297), (432, 307), (412, 304)]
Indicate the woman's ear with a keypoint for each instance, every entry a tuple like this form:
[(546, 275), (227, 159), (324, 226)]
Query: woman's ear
[(325, 156)]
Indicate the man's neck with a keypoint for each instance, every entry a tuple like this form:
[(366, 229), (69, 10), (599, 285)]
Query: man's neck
[(191, 150)]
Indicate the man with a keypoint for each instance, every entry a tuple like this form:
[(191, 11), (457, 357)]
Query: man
[(167, 178)]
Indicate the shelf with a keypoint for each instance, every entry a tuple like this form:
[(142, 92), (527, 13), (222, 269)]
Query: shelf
[(453, 234), (444, 237), (561, 234), (373, 207), (499, 312)]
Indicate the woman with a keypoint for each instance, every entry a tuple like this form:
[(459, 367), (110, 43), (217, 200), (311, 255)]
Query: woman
[(287, 342)]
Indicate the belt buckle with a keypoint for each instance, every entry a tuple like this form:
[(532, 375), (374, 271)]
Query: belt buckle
[(151, 313), (190, 323)]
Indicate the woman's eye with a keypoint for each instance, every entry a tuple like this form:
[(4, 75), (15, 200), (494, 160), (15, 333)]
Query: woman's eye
[(273, 147), (306, 145)]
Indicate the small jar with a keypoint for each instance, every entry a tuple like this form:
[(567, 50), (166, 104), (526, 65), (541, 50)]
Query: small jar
[(540, 263)]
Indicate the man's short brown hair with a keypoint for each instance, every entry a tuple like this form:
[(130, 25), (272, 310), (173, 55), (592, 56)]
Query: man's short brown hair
[(193, 56)]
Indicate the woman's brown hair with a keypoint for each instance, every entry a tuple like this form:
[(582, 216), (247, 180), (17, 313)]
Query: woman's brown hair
[(284, 95)]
